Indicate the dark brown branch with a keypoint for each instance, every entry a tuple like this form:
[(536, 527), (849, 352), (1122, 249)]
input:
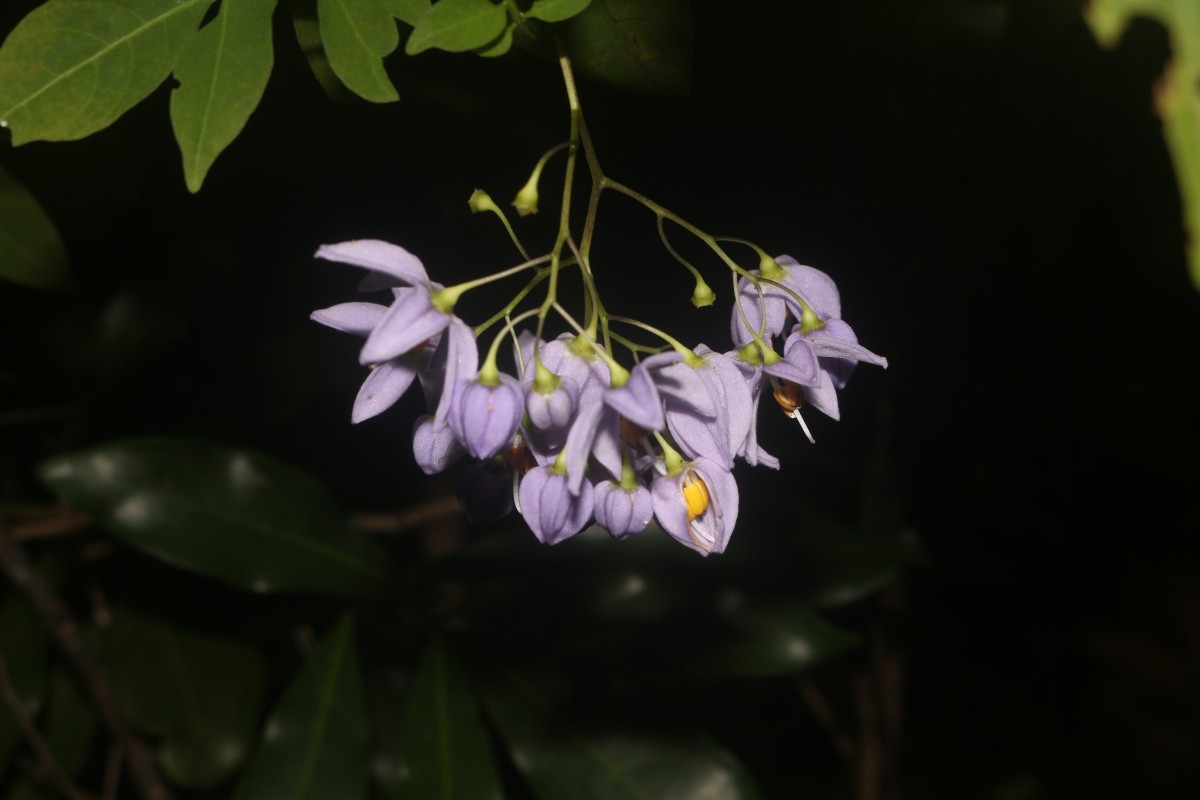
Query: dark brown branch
[(819, 706), (51, 772), (15, 563), (409, 519)]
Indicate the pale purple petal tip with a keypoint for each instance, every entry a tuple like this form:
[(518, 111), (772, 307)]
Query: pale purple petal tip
[(377, 256), (357, 318), (382, 388)]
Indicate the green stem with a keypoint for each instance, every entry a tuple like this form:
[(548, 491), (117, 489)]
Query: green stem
[(618, 375), (445, 299), (690, 357), (489, 374)]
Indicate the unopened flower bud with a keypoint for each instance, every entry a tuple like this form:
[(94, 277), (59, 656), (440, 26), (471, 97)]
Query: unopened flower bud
[(481, 201), (703, 295), (526, 201)]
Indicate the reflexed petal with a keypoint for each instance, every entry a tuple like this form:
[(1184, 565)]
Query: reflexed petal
[(357, 318), (456, 358), (681, 385), (372, 254), (638, 400), (409, 321), (823, 396), (799, 364), (620, 511), (383, 387), (434, 445), (550, 509), (699, 436), (837, 341), (579, 442)]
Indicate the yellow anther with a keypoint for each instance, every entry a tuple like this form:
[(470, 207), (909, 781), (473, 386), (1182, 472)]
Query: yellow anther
[(695, 495)]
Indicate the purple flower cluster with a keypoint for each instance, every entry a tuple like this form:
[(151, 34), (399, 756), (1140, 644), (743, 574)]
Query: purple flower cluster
[(574, 440)]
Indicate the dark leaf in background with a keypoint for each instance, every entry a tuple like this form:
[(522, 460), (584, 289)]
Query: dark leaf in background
[(754, 638), (69, 728), (314, 746), (562, 758), (23, 644), (31, 251), (447, 750), (308, 35), (388, 692), (200, 695), (231, 514), (642, 46)]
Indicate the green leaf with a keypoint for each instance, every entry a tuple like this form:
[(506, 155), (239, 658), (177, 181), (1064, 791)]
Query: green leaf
[(556, 10), (222, 73), (1177, 95), (69, 730), (357, 34), (31, 251), (232, 514), (308, 35), (72, 67), (562, 761), (407, 11), (457, 26), (447, 754), (752, 638), (314, 746), (201, 694), (642, 46), (500, 46), (23, 645), (388, 691)]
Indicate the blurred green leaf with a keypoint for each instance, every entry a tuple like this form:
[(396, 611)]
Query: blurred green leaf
[(232, 514), (1177, 95), (200, 694), (31, 251), (314, 746), (556, 10), (388, 692), (457, 26), (407, 11), (561, 759), (23, 645), (72, 67), (308, 35), (357, 34), (447, 751), (222, 73), (69, 729), (754, 638), (642, 46)]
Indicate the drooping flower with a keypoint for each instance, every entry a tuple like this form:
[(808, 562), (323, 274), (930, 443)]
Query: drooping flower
[(771, 312), (553, 512), (620, 511), (485, 417), (698, 507)]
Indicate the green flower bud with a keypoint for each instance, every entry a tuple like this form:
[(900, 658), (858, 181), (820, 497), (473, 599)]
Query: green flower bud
[(482, 201), (703, 295), (526, 201)]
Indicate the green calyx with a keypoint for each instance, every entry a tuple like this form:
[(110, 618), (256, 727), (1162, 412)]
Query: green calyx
[(809, 321), (526, 201), (444, 299), (544, 381), (703, 295), (769, 268), (751, 354)]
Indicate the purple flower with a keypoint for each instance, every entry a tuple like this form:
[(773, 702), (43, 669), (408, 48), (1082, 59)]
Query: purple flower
[(434, 445), (771, 313), (708, 407), (555, 408), (621, 511), (698, 507), (484, 417), (552, 511)]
